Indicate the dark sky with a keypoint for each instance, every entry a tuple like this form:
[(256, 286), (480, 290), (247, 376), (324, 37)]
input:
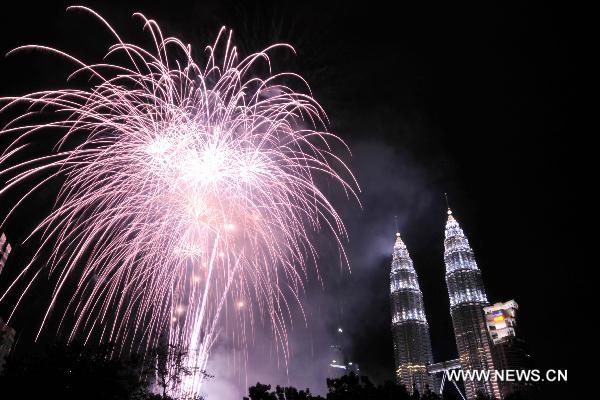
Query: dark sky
[(468, 99)]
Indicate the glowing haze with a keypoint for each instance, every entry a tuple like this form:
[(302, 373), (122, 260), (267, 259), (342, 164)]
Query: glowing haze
[(188, 191)]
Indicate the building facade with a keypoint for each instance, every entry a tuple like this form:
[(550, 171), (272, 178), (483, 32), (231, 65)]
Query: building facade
[(467, 299), (410, 331), (501, 320)]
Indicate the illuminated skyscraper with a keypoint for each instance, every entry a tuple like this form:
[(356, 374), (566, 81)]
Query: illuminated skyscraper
[(7, 334), (467, 299), (7, 339), (4, 250), (412, 344)]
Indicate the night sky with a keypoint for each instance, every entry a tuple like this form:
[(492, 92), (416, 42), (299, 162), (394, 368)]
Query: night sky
[(467, 99)]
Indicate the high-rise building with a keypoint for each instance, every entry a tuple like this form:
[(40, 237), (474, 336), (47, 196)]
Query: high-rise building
[(337, 357), (4, 250), (410, 331), (339, 364), (511, 352), (467, 299), (7, 338)]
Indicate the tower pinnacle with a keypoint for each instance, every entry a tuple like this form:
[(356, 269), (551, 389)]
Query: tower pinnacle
[(447, 203)]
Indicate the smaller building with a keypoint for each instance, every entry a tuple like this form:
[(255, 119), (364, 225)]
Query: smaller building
[(501, 320), (510, 352)]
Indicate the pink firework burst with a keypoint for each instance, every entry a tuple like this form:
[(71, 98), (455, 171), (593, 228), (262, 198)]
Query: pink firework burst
[(190, 189)]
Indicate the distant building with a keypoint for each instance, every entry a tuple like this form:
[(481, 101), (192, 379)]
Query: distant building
[(7, 334), (467, 299), (5, 249), (511, 352), (337, 361), (7, 338), (410, 331), (339, 364)]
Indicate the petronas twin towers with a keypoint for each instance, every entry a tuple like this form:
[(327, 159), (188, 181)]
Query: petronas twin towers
[(412, 346), (412, 343)]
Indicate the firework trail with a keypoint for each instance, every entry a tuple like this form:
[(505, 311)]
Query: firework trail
[(187, 190)]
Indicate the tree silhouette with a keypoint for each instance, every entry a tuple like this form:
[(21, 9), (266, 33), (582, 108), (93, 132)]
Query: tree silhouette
[(76, 372), (263, 392), (347, 387), (72, 372)]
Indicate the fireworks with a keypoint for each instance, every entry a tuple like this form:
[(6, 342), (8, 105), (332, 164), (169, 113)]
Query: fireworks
[(186, 190)]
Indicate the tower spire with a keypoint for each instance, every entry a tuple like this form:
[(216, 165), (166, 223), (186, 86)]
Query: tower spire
[(447, 204), (399, 244)]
